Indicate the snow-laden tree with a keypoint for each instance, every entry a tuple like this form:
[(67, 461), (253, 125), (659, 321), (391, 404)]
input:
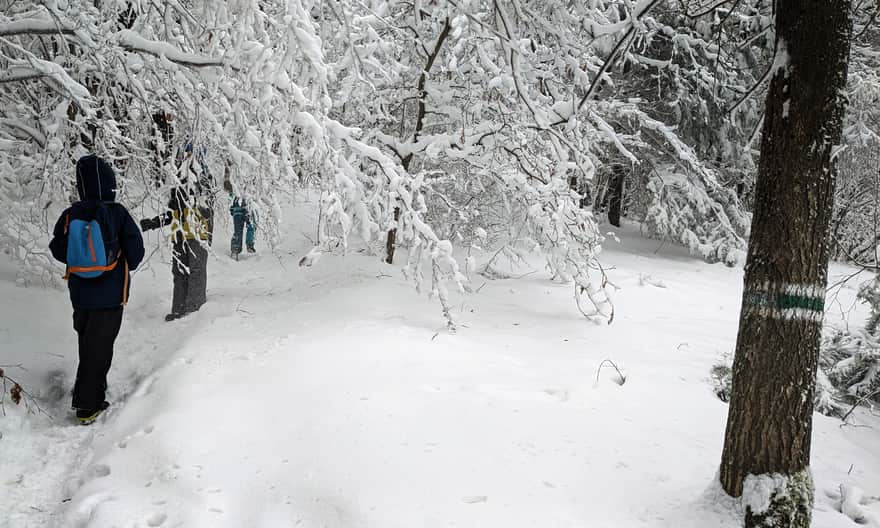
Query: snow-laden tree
[(245, 81), (502, 108), (447, 123), (849, 364), (850, 357), (93, 76), (856, 227), (693, 71)]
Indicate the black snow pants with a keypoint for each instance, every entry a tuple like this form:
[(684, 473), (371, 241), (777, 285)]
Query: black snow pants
[(97, 329), (189, 268)]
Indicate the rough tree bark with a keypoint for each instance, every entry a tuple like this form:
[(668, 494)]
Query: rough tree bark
[(769, 423)]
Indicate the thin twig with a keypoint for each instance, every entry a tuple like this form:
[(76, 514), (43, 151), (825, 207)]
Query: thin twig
[(612, 364), (861, 400)]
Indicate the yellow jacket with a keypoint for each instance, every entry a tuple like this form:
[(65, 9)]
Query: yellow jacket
[(195, 224)]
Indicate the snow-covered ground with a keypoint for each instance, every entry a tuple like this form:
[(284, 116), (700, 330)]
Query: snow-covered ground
[(332, 396)]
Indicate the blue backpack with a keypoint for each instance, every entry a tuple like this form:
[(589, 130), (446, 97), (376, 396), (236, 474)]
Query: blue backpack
[(92, 245)]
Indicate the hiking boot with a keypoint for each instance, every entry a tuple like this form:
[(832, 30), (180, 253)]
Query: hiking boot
[(235, 254), (251, 249), (173, 315), (88, 416)]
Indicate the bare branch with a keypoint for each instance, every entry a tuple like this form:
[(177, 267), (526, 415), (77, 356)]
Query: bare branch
[(706, 10), (760, 82)]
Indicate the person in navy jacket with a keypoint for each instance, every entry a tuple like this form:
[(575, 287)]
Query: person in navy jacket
[(97, 302)]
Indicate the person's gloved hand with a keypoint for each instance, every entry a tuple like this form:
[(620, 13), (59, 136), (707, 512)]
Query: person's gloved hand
[(149, 223)]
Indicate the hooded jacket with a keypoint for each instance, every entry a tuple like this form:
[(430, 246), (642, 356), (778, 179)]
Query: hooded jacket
[(96, 186)]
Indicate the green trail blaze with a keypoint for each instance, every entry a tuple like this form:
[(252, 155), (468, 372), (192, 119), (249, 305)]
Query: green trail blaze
[(784, 301)]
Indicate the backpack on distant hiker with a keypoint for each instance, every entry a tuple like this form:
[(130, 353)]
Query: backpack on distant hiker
[(92, 243)]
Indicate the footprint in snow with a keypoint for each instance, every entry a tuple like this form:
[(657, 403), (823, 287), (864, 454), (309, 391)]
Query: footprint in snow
[(157, 519), (561, 395), (145, 386), (122, 444), (98, 471), (56, 381)]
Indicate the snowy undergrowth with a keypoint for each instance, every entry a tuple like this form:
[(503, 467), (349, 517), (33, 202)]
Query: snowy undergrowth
[(333, 396)]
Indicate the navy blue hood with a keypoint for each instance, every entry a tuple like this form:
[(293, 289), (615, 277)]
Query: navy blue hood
[(95, 179)]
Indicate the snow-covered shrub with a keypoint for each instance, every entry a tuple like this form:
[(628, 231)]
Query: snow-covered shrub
[(849, 361), (778, 500), (870, 293), (722, 376), (827, 400), (686, 212)]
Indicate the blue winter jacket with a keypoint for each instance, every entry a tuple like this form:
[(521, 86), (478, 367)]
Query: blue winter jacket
[(96, 185), (239, 207)]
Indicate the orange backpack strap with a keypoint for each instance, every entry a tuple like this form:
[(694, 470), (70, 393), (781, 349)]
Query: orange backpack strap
[(125, 286), (108, 267)]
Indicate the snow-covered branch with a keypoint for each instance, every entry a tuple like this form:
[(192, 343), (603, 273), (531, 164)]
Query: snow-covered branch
[(131, 41), (34, 26)]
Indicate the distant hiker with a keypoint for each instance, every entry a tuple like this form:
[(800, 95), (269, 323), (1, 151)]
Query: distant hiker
[(242, 223), (242, 218), (100, 243), (190, 215)]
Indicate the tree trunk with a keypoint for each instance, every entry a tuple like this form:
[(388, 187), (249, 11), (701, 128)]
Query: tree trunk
[(420, 123), (769, 423), (615, 198), (391, 239)]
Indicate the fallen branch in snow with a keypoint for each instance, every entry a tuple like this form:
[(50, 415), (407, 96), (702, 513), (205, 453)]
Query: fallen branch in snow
[(647, 279), (860, 401), (311, 257), (18, 394), (603, 308), (239, 309), (608, 363)]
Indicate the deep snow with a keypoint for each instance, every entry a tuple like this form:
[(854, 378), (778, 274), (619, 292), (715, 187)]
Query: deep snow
[(332, 396)]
